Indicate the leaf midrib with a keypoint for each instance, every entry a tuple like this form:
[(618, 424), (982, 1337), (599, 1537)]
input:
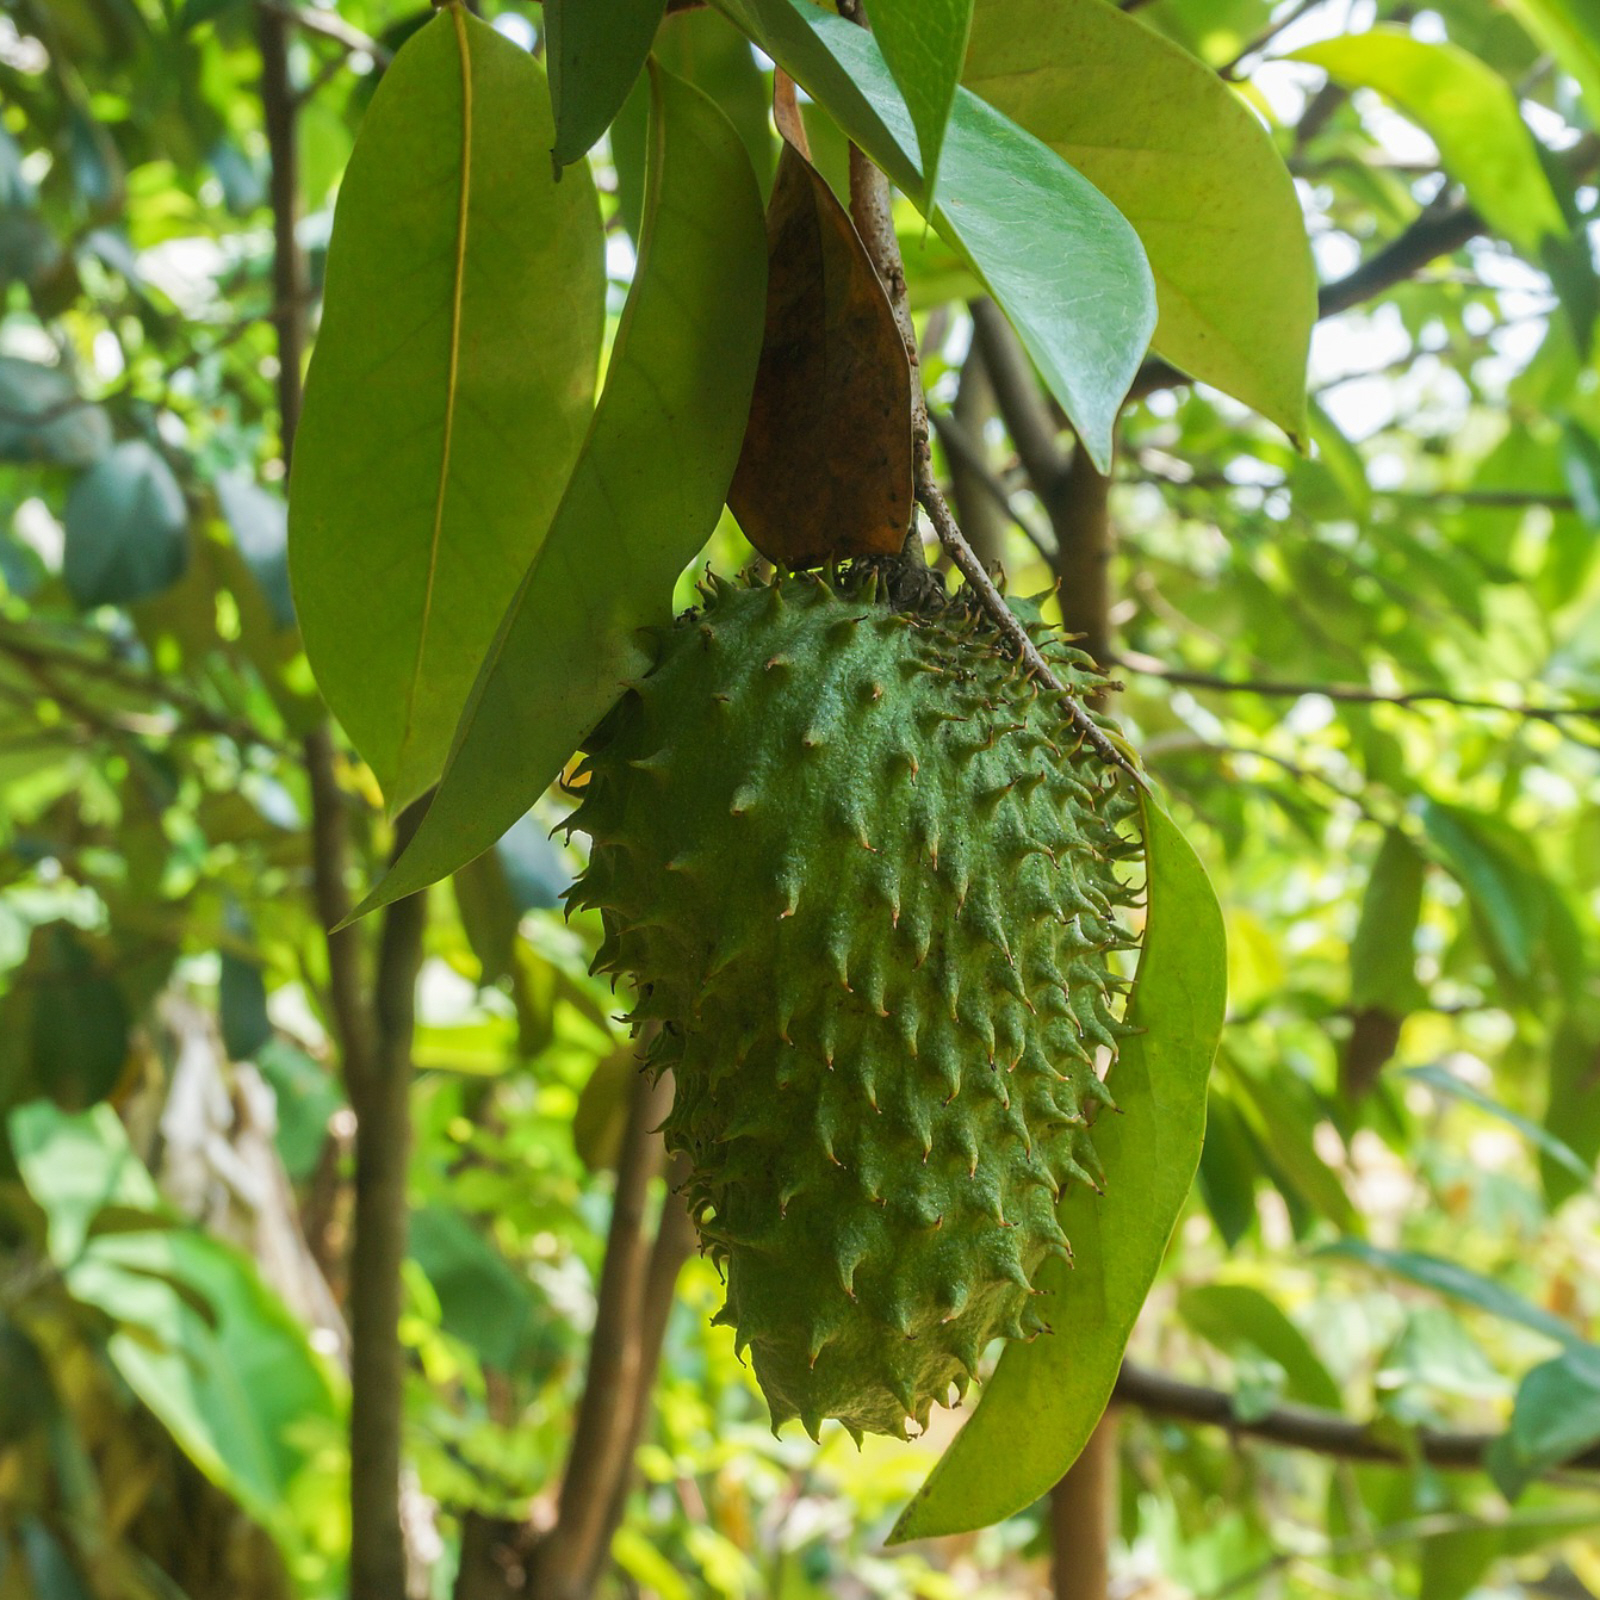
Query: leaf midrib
[(452, 378)]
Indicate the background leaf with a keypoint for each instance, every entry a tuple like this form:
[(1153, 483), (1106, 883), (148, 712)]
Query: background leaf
[(595, 52), (240, 1391), (1042, 1403), (462, 323), (1470, 113), (1236, 1317), (643, 498), (1188, 164), (127, 528)]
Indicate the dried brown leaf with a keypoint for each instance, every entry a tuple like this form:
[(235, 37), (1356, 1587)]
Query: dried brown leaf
[(825, 472)]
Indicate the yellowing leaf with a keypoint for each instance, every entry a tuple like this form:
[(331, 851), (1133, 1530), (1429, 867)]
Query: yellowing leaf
[(1194, 171)]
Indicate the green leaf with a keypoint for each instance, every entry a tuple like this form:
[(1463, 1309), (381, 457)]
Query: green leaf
[(1504, 891), (1237, 1318), (644, 496), (240, 1391), (449, 390), (1190, 166), (1045, 1398), (1283, 1115), (1572, 1113), (307, 1096), (483, 1301), (64, 1025), (1580, 466), (1556, 1416), (596, 52), (1569, 30), (1457, 1282), (43, 418), (1561, 1154), (1008, 203), (1470, 113), (924, 43), (259, 522), (1382, 957), (126, 528)]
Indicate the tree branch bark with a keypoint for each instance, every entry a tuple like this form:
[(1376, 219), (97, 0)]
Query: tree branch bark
[(1297, 1427)]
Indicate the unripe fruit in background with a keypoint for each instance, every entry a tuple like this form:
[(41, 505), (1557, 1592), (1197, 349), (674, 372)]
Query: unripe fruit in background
[(863, 875)]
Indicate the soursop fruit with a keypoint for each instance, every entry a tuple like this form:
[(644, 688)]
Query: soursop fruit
[(863, 878)]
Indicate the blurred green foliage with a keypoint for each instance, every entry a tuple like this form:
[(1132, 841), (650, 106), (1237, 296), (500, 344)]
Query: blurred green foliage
[(1411, 878)]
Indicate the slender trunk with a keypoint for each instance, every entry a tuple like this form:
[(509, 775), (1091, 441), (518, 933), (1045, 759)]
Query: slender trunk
[(1081, 1507)]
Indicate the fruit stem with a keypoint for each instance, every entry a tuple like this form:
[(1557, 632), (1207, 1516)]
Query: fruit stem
[(874, 219)]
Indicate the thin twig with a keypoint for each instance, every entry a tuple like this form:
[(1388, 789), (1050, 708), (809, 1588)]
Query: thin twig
[(1352, 694), (1309, 1428)]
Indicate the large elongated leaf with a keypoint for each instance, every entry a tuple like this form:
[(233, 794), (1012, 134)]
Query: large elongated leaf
[(644, 496), (1044, 1399), (595, 53), (1192, 169), (924, 43), (1469, 111), (1059, 258), (449, 391)]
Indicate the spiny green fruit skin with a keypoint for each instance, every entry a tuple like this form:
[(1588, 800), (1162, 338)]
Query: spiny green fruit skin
[(864, 879)]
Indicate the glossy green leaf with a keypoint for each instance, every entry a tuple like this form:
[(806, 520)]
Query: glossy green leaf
[(1457, 1282), (1039, 1408), (461, 330), (1382, 954), (1569, 30), (1562, 1154), (924, 43), (127, 528), (1189, 165), (644, 496), (1014, 209), (1470, 113), (596, 52), (1237, 1318), (239, 1390)]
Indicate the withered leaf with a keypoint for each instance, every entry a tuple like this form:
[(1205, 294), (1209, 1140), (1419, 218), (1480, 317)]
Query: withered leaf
[(825, 471)]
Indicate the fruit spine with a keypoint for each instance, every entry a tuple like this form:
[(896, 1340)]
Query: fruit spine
[(863, 880)]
